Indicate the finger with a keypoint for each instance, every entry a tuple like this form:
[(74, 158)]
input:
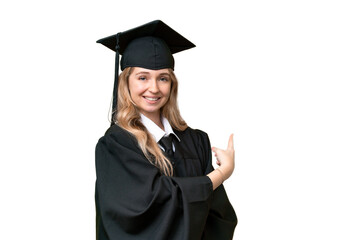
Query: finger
[(214, 149), (231, 142)]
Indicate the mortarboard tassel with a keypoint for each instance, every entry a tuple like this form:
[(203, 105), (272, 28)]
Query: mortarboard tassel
[(116, 81)]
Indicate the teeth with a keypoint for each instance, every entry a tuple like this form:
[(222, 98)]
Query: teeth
[(151, 99)]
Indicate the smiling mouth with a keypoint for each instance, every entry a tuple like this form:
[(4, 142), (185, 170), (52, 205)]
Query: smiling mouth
[(152, 98)]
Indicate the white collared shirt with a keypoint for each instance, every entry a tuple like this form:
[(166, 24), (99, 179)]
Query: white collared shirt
[(156, 131)]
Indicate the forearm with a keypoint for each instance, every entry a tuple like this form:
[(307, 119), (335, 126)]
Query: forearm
[(217, 177)]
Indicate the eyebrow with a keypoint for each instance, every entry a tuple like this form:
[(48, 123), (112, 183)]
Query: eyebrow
[(165, 74), (143, 72)]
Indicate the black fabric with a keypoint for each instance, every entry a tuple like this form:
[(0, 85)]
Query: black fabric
[(135, 201), (147, 52)]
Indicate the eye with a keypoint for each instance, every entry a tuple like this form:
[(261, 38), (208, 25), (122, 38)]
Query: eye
[(142, 78), (164, 79)]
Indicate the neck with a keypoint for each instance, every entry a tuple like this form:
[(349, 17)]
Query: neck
[(156, 118)]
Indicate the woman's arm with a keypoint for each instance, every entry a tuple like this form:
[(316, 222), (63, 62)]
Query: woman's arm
[(226, 162)]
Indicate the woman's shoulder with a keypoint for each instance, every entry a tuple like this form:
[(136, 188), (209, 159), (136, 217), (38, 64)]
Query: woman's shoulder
[(194, 134), (119, 135), (115, 129), (198, 132)]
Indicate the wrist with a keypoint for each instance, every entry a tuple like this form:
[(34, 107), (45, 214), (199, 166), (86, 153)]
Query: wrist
[(223, 178), (225, 171)]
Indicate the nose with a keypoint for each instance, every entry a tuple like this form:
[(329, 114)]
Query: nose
[(153, 86)]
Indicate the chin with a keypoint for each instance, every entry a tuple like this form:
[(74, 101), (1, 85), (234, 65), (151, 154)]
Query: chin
[(150, 110)]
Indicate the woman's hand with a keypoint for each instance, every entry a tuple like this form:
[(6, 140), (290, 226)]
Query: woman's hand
[(226, 158)]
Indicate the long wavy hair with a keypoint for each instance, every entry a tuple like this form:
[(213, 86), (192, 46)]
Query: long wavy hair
[(128, 117)]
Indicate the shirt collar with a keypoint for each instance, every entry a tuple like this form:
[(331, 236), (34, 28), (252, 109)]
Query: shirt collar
[(155, 130)]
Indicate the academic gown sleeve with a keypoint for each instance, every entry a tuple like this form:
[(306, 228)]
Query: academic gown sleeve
[(135, 201), (222, 220)]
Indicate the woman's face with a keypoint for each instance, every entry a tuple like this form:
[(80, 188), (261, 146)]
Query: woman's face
[(149, 89)]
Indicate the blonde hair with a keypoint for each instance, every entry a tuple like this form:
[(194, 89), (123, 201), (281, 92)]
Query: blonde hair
[(128, 117)]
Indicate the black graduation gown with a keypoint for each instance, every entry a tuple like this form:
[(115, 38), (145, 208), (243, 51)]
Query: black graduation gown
[(135, 201)]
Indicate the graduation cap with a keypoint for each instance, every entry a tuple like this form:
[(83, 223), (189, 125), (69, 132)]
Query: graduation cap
[(148, 46)]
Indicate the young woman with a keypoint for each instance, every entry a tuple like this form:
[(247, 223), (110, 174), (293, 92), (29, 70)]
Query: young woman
[(155, 178)]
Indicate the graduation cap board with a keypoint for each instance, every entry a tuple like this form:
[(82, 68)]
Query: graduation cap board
[(148, 46)]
